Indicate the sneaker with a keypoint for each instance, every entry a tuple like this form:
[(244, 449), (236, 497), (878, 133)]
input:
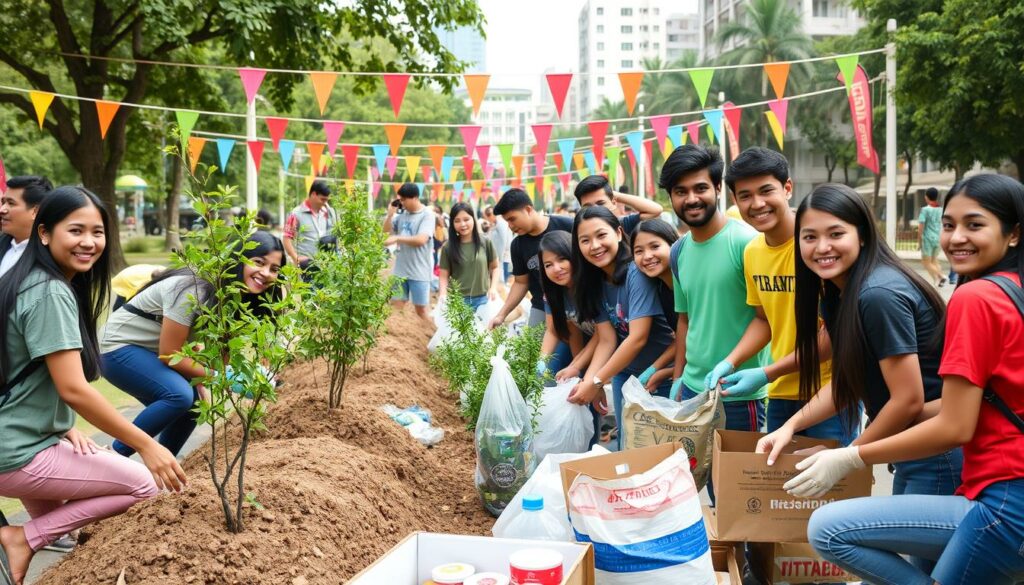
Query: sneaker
[(64, 544), (942, 282)]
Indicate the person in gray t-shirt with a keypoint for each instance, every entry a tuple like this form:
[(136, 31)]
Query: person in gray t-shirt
[(412, 230)]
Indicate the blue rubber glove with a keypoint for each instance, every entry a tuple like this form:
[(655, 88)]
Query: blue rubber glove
[(677, 390), (744, 383), (723, 369), (542, 367), (644, 377)]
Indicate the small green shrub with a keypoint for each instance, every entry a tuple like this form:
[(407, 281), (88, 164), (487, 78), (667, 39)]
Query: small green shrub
[(136, 246)]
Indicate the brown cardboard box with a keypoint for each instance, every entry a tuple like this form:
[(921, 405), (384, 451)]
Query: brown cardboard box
[(410, 561), (752, 506), (727, 568), (615, 465), (795, 564)]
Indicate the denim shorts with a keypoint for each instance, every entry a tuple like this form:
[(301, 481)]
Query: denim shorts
[(418, 291)]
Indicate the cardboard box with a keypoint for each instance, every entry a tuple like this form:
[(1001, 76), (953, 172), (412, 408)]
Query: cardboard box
[(751, 504), (615, 465), (794, 563), (727, 568), (410, 561)]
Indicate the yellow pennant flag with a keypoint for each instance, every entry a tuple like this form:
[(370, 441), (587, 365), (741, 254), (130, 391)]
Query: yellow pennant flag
[(776, 128), (350, 185), (309, 182), (412, 163), (531, 190), (41, 101)]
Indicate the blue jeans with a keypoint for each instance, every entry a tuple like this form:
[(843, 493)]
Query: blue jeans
[(475, 302), (779, 411), (560, 359), (506, 269), (167, 395), (418, 291), (663, 390), (740, 415), (972, 542)]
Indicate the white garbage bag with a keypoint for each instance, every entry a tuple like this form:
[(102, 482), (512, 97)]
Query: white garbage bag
[(562, 427)]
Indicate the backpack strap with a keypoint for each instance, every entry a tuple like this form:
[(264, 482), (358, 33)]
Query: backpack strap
[(673, 256), (25, 372), (139, 312), (1016, 295)]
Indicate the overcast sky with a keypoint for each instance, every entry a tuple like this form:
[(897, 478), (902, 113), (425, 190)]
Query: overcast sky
[(525, 37)]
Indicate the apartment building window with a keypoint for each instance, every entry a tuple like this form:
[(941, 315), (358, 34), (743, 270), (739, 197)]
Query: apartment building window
[(627, 63), (600, 28), (644, 28), (644, 45), (600, 63), (626, 29), (600, 10), (627, 46), (600, 80), (626, 12), (820, 8), (673, 38), (657, 28), (600, 46), (643, 11), (657, 11), (657, 46)]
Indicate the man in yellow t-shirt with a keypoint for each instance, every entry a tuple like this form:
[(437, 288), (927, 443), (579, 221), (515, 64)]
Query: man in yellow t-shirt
[(761, 187)]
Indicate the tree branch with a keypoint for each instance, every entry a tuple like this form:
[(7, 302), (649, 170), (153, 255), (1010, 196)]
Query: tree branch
[(68, 44), (65, 136)]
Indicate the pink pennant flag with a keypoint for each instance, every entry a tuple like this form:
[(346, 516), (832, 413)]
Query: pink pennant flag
[(732, 116), (351, 154), (780, 108), (391, 165), (375, 188), (598, 130), (542, 132), (660, 126), (482, 152), (256, 150), (467, 165), (559, 84), (564, 179), (469, 136), (251, 81), (333, 132), (396, 84), (693, 129), (276, 127), (3, 177)]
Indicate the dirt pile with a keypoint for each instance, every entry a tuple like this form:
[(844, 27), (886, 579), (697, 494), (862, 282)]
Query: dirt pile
[(336, 489)]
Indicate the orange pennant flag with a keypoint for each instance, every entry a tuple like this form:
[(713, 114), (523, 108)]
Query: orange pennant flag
[(579, 161), (41, 101), (517, 164), (323, 83), (106, 111), (395, 133), (478, 185), (315, 150), (437, 157), (195, 150), (778, 73), (476, 86), (631, 87)]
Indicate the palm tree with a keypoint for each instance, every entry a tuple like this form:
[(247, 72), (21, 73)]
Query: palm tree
[(770, 32), (667, 93), (609, 110)]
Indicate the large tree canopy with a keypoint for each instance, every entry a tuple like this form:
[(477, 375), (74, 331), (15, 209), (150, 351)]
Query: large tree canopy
[(43, 41)]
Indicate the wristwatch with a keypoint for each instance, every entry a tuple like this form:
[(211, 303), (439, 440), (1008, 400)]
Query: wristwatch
[(598, 382)]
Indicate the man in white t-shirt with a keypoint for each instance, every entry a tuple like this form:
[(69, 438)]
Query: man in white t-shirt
[(18, 207)]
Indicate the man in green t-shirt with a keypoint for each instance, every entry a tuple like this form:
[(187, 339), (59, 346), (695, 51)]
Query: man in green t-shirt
[(710, 290)]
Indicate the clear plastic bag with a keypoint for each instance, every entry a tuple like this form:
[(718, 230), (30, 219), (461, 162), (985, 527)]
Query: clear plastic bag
[(444, 330), (504, 439), (562, 427)]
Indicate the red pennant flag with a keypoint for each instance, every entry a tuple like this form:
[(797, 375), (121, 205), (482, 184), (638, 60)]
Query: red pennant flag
[(396, 84), (732, 119), (106, 111), (436, 153), (693, 129), (649, 165), (276, 127), (469, 136), (351, 154), (598, 130), (660, 126), (559, 84), (467, 165), (256, 151), (564, 179), (3, 177), (333, 132), (316, 150)]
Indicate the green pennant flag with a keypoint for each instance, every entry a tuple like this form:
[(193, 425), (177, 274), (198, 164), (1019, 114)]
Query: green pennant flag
[(702, 82), (612, 156), (711, 133), (186, 121), (848, 67), (506, 156)]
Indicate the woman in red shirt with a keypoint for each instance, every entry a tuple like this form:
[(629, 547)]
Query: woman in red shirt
[(975, 536)]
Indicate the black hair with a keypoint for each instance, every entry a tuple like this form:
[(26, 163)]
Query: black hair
[(34, 188), (849, 344), (932, 194), (513, 200), (757, 161), (590, 184), (657, 227), (690, 158), (408, 191), (90, 288), (588, 280), (558, 243), (320, 188), (263, 219), (454, 244), (1003, 197)]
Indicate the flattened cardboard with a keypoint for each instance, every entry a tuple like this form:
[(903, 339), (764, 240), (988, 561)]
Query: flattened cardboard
[(723, 558), (795, 564), (752, 506), (615, 465), (410, 561)]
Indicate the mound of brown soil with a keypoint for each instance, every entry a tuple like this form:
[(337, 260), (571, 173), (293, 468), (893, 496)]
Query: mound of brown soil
[(337, 488)]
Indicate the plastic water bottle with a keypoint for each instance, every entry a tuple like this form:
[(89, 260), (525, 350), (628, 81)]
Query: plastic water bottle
[(535, 523)]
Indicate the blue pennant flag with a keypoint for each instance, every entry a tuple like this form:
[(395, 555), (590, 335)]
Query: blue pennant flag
[(675, 134), (380, 152), (636, 142), (591, 161), (224, 148), (565, 147), (419, 187), (446, 168), (286, 148), (714, 118)]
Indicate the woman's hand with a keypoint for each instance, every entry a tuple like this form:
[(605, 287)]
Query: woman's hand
[(822, 470), (80, 443), (567, 373), (657, 379), (773, 443), (583, 393), (204, 394), (166, 471)]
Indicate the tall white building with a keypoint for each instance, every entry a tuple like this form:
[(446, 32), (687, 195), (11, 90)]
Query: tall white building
[(821, 19), (616, 36), (682, 34), (506, 116), (467, 44)]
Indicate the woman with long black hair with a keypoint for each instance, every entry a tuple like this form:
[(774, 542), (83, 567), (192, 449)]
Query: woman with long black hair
[(652, 253), (564, 327), (468, 258), (50, 301), (140, 339)]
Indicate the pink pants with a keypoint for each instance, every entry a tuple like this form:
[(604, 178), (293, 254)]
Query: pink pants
[(62, 490)]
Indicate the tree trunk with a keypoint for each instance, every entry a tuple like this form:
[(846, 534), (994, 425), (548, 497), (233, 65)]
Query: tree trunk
[(878, 188), (906, 188), (1018, 160), (830, 166), (172, 239)]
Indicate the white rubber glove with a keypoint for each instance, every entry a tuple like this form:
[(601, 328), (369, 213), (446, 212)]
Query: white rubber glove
[(822, 470)]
